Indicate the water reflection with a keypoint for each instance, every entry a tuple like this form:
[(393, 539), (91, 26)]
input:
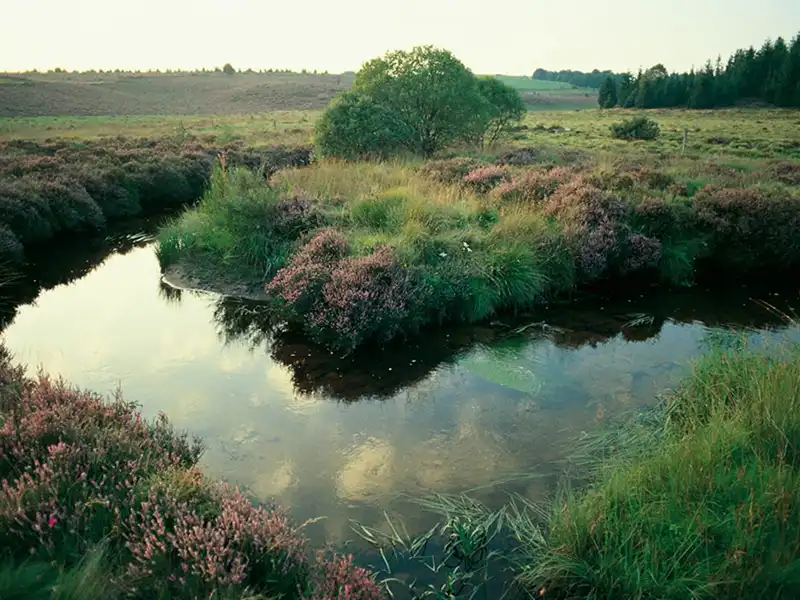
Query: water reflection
[(491, 408)]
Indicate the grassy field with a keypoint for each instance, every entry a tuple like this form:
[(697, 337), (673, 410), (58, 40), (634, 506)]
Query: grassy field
[(734, 133), (108, 94)]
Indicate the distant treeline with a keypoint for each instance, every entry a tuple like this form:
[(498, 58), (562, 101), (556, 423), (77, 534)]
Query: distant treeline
[(227, 69), (577, 78), (770, 75)]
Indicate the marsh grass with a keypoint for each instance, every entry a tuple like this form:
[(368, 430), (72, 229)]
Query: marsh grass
[(699, 500)]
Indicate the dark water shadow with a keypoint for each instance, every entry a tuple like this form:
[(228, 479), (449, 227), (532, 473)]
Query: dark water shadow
[(382, 372), (68, 258)]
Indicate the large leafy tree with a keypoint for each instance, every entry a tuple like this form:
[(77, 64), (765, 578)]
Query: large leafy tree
[(505, 107), (431, 90)]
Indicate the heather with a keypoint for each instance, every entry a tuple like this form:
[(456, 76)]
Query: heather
[(56, 187), (696, 499), (100, 501), (353, 253)]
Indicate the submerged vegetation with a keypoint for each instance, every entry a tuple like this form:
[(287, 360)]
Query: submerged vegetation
[(98, 503)]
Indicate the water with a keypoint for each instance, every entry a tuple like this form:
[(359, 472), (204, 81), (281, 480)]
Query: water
[(489, 409)]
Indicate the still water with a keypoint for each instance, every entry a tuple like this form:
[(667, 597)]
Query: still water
[(489, 409)]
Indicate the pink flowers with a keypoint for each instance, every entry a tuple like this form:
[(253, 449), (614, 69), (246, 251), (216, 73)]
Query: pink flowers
[(76, 471), (485, 178)]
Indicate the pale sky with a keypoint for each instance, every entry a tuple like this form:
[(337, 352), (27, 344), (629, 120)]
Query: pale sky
[(499, 36)]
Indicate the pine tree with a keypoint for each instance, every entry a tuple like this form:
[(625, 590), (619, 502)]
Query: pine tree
[(607, 97)]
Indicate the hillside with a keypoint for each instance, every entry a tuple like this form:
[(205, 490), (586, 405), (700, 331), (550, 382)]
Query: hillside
[(108, 94), (178, 94)]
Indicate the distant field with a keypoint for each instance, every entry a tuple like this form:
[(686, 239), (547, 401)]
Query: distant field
[(179, 94), (109, 94), (751, 133)]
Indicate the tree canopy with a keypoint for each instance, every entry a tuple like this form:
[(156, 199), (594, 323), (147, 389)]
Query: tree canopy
[(427, 97)]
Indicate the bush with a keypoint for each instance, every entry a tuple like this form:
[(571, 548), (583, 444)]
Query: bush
[(422, 100), (449, 170), (637, 128), (532, 186), (483, 179), (356, 126), (749, 228)]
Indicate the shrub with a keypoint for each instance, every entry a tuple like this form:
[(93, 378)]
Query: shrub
[(483, 179), (750, 228), (519, 157), (637, 128), (788, 173), (532, 186), (10, 247), (366, 298), (356, 126), (595, 223), (449, 170), (505, 108), (296, 288)]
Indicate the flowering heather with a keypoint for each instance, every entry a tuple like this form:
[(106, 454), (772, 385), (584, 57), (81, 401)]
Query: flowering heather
[(641, 252), (483, 179), (77, 471), (750, 226), (532, 186), (449, 170), (55, 186), (594, 223), (369, 297), (297, 287)]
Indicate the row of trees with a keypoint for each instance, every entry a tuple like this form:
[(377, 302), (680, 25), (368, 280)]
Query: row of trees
[(420, 102), (227, 69), (770, 74), (593, 79)]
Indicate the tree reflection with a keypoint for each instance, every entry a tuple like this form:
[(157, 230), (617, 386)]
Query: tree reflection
[(382, 372)]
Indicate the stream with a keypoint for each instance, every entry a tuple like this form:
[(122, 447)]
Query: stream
[(488, 409)]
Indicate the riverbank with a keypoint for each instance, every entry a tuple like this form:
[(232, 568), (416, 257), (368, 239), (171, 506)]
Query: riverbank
[(358, 253), (61, 186), (98, 503), (698, 500)]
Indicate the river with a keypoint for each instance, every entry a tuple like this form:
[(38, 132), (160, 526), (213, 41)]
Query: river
[(489, 409)]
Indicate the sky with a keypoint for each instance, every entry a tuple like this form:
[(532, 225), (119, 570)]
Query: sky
[(502, 36)]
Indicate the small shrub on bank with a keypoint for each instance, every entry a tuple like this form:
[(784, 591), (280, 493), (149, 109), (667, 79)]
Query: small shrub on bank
[(483, 179), (532, 186), (749, 228), (79, 473), (637, 128)]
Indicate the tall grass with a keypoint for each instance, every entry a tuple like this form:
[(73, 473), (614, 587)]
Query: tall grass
[(465, 240), (703, 503)]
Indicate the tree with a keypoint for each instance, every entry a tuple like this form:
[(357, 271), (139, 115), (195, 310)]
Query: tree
[(431, 90), (228, 69), (505, 107), (355, 126), (607, 97)]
